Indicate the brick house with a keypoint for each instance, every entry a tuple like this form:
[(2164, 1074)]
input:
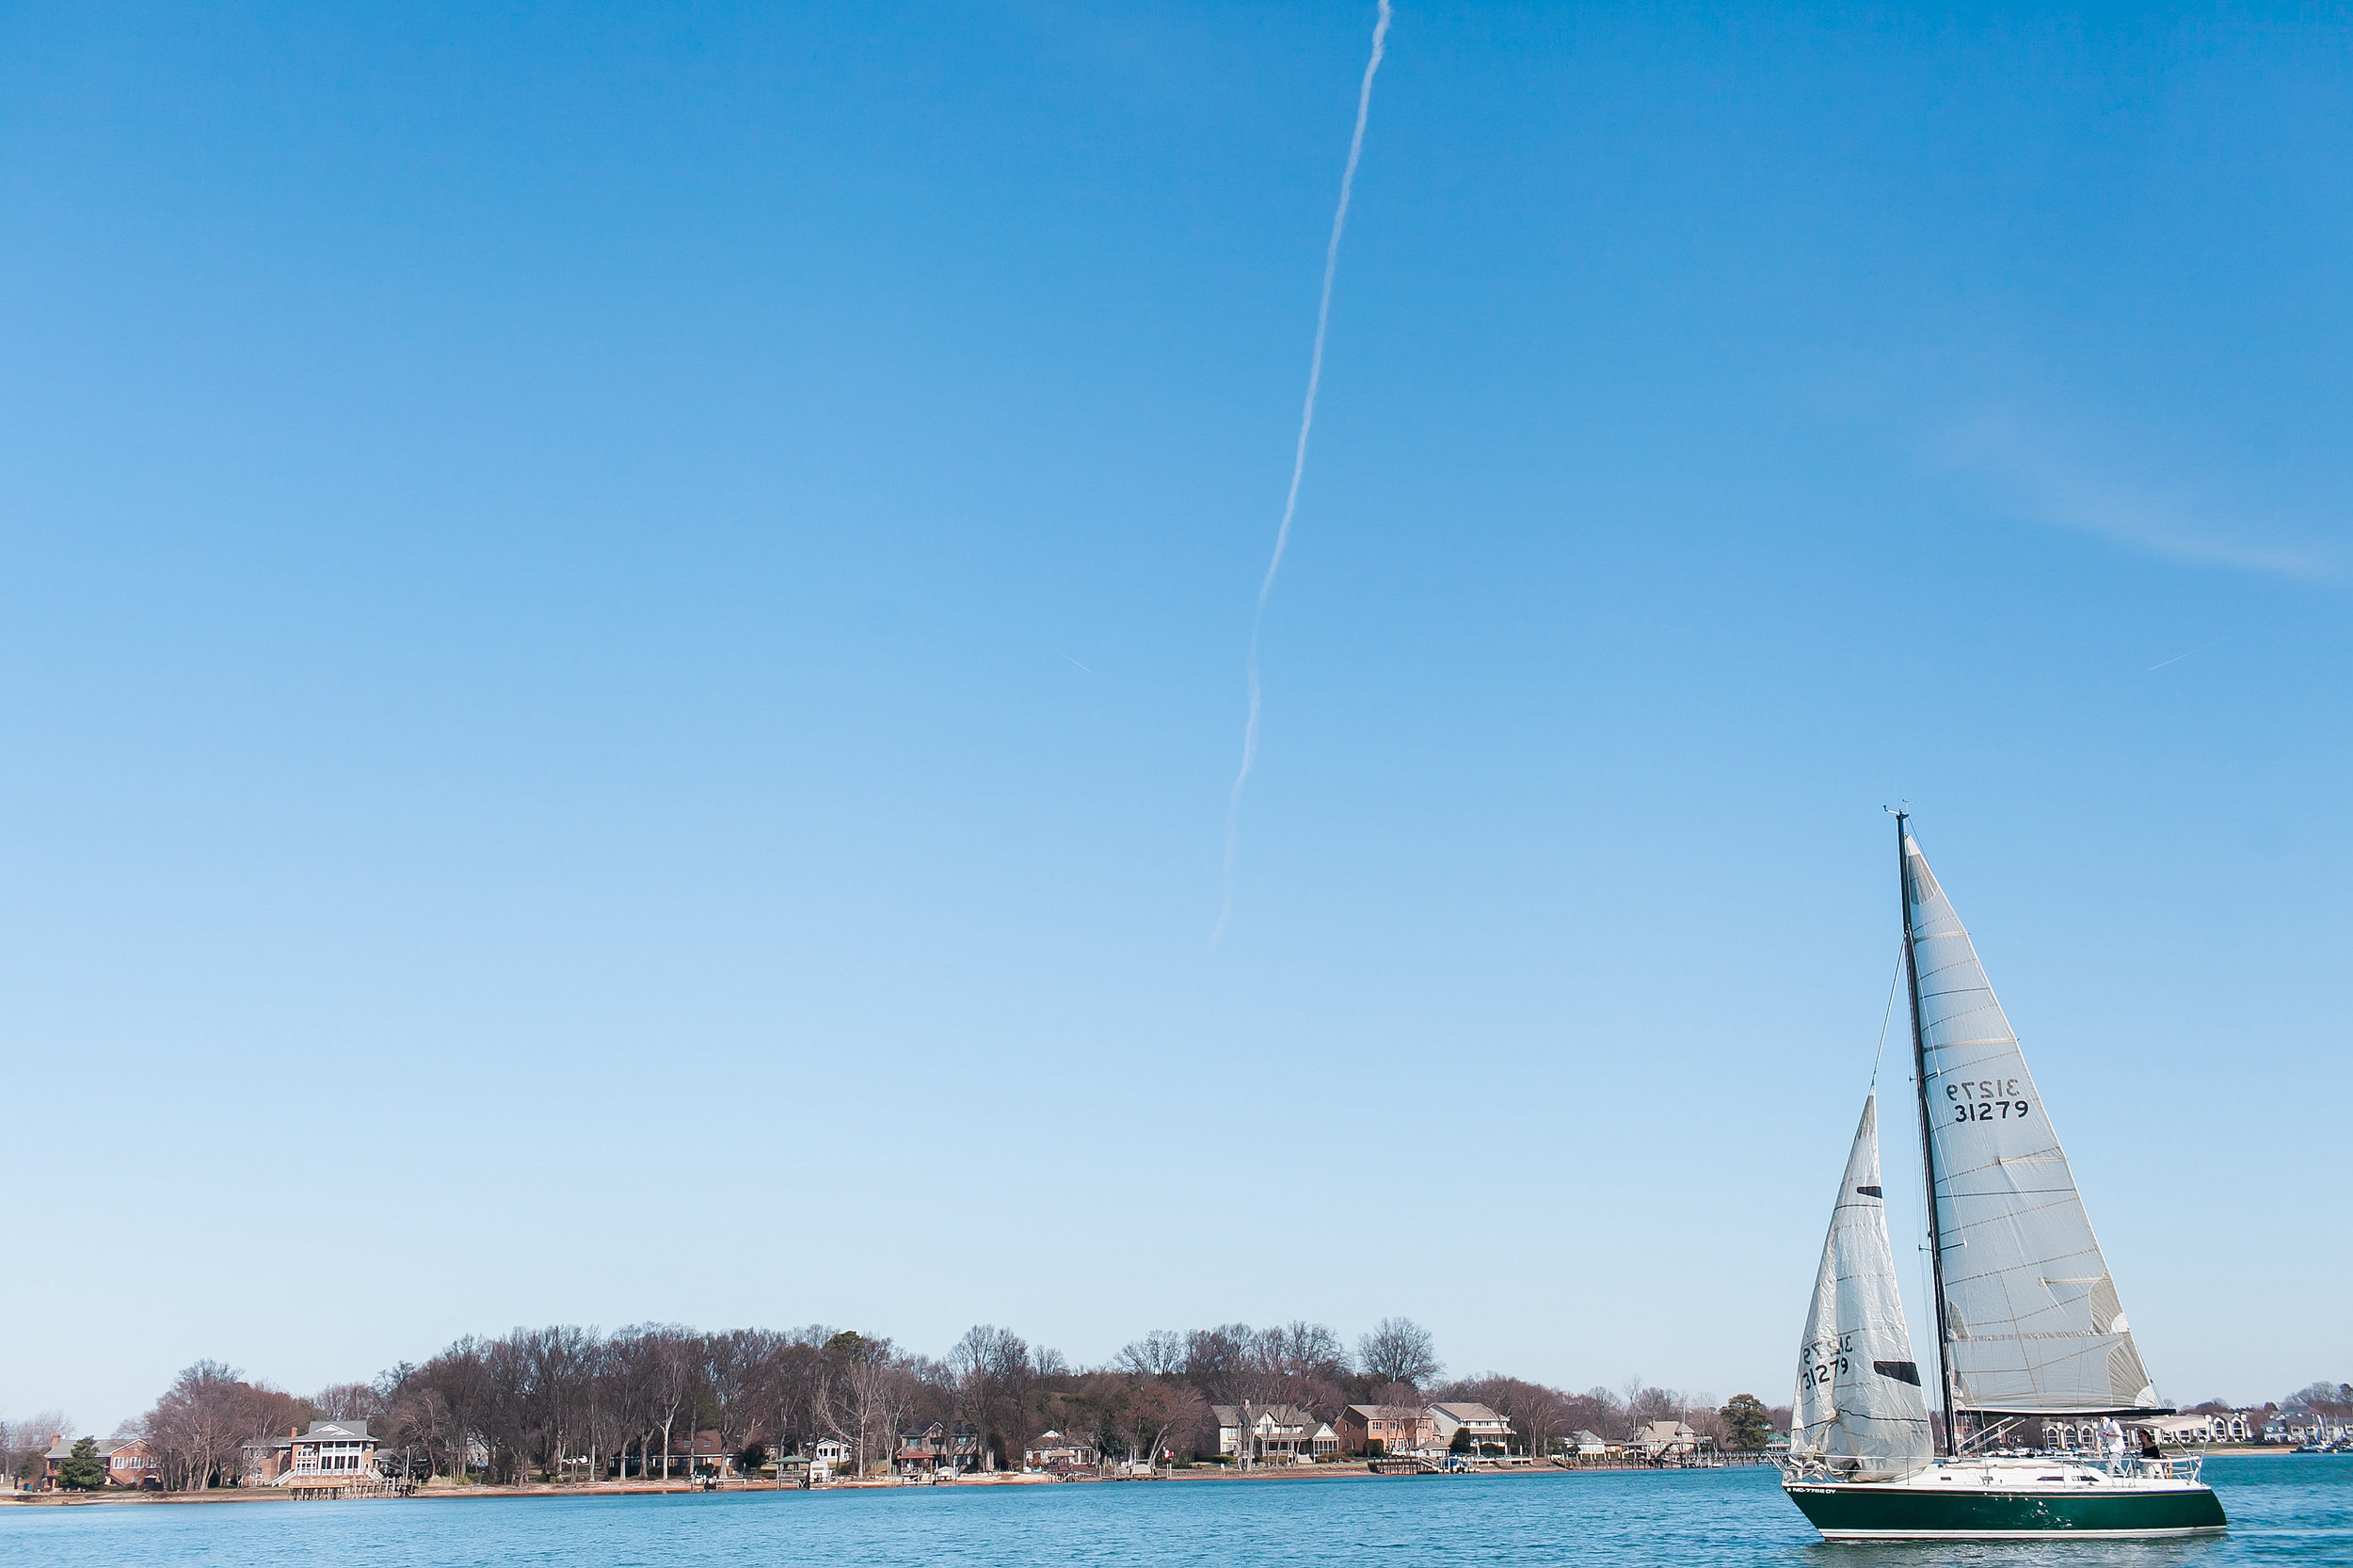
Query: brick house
[(331, 1453), (128, 1460), (1399, 1429)]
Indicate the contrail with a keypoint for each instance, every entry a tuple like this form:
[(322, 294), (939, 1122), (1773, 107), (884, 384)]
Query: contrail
[(1299, 464), (2178, 657)]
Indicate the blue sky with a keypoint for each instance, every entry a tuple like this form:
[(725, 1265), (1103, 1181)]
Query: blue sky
[(623, 648)]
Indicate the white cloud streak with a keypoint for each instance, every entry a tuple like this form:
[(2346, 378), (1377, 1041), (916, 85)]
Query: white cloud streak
[(1299, 469), (2052, 488)]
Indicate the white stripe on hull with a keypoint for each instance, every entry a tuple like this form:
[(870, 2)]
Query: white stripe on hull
[(2018, 1535)]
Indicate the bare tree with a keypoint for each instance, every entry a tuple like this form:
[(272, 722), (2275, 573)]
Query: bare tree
[(1217, 1361), (991, 1367), (1398, 1350), (1158, 1355), (671, 1368), (862, 1394), (1151, 1411), (24, 1442), (349, 1401), (419, 1421), (790, 1378), (733, 1366), (199, 1426)]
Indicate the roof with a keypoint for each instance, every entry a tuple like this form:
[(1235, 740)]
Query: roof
[(1387, 1412), (1281, 1414), (1469, 1414), (1585, 1437), (1664, 1431), (62, 1447), (336, 1432)]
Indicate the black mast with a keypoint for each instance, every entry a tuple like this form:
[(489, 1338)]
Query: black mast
[(1928, 1150)]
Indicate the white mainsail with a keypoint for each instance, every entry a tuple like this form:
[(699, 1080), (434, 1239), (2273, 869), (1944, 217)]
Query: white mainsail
[(2031, 1316), (1859, 1407)]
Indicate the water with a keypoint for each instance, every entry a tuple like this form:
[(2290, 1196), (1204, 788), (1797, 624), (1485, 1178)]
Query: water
[(2289, 1510)]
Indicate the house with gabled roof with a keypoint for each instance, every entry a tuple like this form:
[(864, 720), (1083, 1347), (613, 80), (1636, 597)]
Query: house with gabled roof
[(1272, 1433), (939, 1447), (1385, 1429), (331, 1453), (1060, 1453), (129, 1461), (1487, 1429), (1663, 1440)]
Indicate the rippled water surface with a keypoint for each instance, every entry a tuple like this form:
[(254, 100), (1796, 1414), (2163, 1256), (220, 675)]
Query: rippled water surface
[(2289, 1510)]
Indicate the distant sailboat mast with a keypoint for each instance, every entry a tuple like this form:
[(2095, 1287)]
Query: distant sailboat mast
[(1928, 1147)]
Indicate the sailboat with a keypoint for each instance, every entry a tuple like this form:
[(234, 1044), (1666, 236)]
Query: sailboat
[(2028, 1324)]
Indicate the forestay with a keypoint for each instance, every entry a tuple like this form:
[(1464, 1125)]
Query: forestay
[(1859, 1408), (2032, 1319)]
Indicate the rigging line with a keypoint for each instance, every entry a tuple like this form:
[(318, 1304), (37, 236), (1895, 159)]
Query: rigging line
[(1886, 1017)]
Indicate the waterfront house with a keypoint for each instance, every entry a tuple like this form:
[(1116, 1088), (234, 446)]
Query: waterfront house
[(1589, 1446), (1487, 1429), (2199, 1428), (1054, 1452), (1271, 1433), (939, 1447), (329, 1452), (128, 1460), (1385, 1429), (705, 1455), (829, 1456), (1666, 1440)]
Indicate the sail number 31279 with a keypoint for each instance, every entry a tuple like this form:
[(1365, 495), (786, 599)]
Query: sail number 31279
[(1986, 1100)]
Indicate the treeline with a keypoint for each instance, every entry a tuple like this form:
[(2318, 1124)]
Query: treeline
[(551, 1401)]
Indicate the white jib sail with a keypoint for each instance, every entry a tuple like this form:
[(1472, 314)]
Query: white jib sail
[(1859, 1408), (2032, 1316)]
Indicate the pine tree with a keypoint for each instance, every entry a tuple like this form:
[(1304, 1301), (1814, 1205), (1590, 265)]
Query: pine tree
[(83, 1470)]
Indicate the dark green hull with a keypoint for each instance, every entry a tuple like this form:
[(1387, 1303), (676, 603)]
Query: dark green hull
[(1854, 1512)]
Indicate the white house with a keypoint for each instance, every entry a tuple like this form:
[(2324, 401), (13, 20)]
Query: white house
[(1487, 1429), (1589, 1446), (1272, 1433), (1054, 1452), (1666, 1440)]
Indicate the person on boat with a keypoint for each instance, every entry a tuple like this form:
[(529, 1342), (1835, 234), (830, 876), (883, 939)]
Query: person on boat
[(2149, 1449), (2111, 1437)]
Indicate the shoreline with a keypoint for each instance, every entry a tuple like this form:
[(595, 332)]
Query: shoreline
[(657, 1489), (232, 1494)]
